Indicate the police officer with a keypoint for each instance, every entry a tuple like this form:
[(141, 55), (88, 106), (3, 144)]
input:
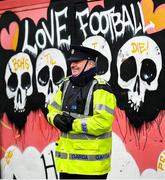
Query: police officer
[(83, 109)]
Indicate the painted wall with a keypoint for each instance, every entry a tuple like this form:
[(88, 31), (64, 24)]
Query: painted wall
[(34, 44)]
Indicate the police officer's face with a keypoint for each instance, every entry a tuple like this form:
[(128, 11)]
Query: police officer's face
[(78, 66)]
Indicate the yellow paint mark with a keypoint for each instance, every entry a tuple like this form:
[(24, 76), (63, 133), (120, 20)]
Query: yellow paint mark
[(17, 136), (15, 39), (2, 149), (94, 45), (20, 63), (139, 47), (49, 60), (5, 125), (8, 157), (161, 162)]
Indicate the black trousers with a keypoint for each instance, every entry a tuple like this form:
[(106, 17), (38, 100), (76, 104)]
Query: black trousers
[(79, 176)]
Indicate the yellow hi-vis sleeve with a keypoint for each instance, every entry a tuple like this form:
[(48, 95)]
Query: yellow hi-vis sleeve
[(104, 103), (55, 107)]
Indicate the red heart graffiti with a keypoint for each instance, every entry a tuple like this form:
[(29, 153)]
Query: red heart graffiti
[(9, 39)]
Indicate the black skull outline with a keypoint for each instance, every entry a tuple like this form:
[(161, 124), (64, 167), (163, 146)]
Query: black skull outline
[(139, 63), (18, 79), (51, 69)]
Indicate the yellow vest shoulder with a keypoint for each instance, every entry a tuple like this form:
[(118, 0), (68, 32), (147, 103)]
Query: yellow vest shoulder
[(66, 78), (100, 80)]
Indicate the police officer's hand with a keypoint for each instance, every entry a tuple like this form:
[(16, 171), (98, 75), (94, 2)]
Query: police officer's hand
[(59, 122), (63, 122)]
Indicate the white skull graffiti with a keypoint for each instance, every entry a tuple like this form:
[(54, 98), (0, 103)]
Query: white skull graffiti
[(18, 78), (50, 70), (139, 63), (100, 44)]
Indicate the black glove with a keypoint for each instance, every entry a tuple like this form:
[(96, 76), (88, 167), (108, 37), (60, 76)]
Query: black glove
[(63, 122)]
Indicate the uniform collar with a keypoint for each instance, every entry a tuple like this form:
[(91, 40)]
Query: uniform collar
[(84, 78)]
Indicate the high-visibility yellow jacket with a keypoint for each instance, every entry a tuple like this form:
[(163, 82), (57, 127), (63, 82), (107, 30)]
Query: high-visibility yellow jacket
[(87, 148)]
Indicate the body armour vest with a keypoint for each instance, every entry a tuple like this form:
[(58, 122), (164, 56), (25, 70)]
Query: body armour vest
[(75, 98)]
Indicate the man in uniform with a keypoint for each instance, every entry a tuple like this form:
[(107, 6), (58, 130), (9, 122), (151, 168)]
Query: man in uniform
[(83, 110)]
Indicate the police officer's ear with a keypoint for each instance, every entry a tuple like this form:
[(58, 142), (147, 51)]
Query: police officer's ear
[(101, 65)]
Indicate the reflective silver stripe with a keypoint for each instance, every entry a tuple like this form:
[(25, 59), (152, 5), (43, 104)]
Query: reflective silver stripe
[(75, 115), (86, 111), (57, 106), (64, 135), (84, 125), (86, 157), (61, 155), (79, 116), (87, 107), (103, 107), (65, 88), (86, 136)]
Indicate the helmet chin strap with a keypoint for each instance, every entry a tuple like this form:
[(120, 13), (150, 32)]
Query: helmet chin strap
[(83, 68)]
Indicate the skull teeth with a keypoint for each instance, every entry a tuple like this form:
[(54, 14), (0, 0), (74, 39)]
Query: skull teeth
[(19, 110), (133, 105)]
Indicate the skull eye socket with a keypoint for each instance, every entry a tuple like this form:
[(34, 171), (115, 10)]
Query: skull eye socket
[(12, 82), (58, 75), (148, 70), (43, 76), (25, 80), (128, 69)]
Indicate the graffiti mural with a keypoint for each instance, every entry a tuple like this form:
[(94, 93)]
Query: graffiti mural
[(130, 35)]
